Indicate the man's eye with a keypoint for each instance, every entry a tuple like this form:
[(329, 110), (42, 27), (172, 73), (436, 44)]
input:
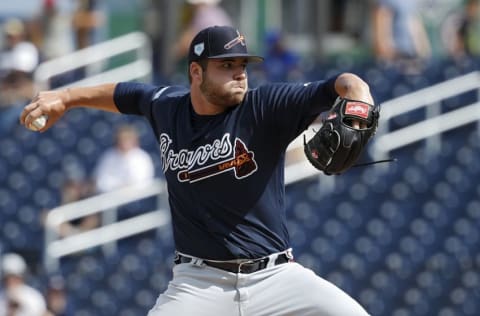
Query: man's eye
[(227, 65)]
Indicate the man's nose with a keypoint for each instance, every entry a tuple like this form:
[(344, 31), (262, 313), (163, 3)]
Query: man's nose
[(240, 74)]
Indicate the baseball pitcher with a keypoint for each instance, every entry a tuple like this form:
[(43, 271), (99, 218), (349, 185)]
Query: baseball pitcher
[(223, 150)]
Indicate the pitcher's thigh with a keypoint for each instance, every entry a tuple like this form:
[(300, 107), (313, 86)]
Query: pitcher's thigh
[(186, 297), (299, 291)]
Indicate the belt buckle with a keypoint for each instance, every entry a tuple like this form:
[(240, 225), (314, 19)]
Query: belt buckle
[(239, 268)]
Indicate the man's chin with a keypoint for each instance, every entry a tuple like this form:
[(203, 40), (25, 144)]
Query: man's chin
[(238, 97)]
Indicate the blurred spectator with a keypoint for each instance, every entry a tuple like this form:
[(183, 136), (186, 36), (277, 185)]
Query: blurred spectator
[(124, 164), (399, 36), (76, 189), (19, 54), (57, 28), (87, 20), (18, 298), (18, 60), (154, 27), (461, 31), (281, 63), (57, 298), (200, 14)]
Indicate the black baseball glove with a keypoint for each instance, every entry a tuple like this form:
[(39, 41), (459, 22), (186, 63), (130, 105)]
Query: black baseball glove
[(338, 144)]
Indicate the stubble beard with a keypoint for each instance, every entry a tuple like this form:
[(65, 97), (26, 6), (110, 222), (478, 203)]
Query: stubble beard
[(218, 95)]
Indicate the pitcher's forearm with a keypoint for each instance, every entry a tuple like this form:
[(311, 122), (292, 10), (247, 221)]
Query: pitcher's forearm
[(98, 97), (54, 104)]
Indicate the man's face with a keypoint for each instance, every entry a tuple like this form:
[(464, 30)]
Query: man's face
[(126, 140), (11, 40), (224, 81), (10, 280)]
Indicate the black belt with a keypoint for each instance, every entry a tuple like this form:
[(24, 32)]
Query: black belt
[(248, 266)]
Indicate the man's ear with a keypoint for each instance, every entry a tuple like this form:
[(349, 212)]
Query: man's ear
[(196, 71)]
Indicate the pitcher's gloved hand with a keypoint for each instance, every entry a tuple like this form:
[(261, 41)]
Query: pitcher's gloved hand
[(343, 136)]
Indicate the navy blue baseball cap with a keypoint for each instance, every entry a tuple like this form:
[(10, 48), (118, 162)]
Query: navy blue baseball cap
[(219, 42)]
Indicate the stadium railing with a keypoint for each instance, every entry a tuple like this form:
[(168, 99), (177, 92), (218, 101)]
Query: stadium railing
[(94, 59), (435, 122), (110, 229)]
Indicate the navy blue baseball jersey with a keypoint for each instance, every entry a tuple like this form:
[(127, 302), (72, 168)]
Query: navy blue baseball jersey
[(225, 172)]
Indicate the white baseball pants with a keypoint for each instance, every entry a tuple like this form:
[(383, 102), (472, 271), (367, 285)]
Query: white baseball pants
[(287, 289)]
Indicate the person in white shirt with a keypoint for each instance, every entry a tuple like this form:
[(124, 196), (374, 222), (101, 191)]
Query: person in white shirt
[(18, 60), (124, 164), (18, 298)]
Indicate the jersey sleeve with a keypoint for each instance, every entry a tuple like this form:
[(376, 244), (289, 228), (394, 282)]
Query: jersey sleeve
[(134, 98), (291, 107)]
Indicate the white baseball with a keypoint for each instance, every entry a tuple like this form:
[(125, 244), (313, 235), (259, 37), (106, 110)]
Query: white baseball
[(39, 123)]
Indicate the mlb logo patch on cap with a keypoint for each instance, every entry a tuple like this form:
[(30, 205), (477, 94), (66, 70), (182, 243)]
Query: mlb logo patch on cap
[(199, 48)]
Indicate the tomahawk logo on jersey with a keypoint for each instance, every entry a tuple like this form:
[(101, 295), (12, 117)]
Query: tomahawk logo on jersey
[(194, 165)]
